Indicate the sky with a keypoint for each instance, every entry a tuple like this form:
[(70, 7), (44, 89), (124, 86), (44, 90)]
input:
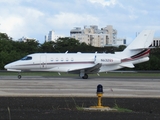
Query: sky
[(35, 18)]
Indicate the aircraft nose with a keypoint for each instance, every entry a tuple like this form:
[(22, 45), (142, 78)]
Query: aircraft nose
[(7, 66), (11, 67)]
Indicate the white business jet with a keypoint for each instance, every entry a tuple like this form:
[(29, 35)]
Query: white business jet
[(87, 63)]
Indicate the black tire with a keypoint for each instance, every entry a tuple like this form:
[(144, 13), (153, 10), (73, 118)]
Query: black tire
[(19, 76), (85, 76)]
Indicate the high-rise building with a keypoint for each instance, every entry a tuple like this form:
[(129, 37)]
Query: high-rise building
[(52, 36), (156, 42), (94, 36)]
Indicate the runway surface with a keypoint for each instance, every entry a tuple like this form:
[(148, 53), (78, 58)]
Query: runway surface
[(75, 86)]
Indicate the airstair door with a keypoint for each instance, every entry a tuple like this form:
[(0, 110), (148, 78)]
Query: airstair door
[(43, 61)]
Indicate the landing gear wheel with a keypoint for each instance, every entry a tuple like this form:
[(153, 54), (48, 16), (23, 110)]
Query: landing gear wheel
[(19, 76), (85, 76)]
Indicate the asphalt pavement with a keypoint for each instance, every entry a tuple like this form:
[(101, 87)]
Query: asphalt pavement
[(62, 98)]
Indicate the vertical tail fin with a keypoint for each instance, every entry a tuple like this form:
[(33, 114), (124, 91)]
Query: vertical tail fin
[(141, 42), (138, 50)]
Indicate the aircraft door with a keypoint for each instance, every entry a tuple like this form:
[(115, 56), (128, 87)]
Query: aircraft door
[(43, 61)]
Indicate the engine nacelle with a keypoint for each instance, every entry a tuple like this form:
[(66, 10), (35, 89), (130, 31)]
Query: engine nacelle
[(107, 61)]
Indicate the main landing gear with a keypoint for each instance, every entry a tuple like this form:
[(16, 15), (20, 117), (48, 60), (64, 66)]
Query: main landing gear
[(19, 76), (85, 76)]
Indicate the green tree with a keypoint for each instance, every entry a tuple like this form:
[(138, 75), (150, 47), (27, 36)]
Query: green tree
[(67, 44), (48, 47), (11, 50)]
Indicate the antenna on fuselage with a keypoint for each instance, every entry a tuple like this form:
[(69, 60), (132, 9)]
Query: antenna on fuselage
[(59, 73), (66, 52)]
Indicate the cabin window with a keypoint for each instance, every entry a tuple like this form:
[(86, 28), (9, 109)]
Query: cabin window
[(72, 59), (27, 58)]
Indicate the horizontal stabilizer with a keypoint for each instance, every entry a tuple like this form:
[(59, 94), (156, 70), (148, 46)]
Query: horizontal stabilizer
[(136, 49), (129, 65)]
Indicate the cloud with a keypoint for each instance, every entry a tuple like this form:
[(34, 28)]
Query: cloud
[(10, 23), (133, 17), (103, 2), (69, 20), (10, 1), (22, 21), (34, 19)]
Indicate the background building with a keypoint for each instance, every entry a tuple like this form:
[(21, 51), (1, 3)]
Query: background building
[(52, 36), (25, 39), (97, 37), (156, 42)]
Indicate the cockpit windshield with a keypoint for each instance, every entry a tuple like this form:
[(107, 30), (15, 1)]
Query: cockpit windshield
[(27, 58)]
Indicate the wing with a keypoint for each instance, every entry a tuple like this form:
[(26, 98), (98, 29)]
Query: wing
[(93, 69)]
